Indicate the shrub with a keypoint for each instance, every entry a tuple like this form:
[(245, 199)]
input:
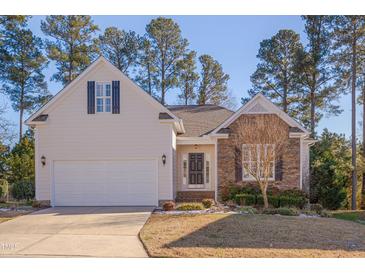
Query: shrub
[(39, 204), (208, 203), (231, 203), (281, 210), (326, 214), (246, 199), (274, 201), (4, 188), (248, 210), (259, 200), (168, 206), (292, 201), (23, 190), (190, 206), (316, 207)]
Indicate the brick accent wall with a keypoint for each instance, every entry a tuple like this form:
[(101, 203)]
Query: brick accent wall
[(227, 161)]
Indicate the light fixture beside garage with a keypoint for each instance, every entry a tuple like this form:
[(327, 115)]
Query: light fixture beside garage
[(164, 159), (43, 160)]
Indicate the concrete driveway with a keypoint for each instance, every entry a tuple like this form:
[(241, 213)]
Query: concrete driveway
[(75, 232)]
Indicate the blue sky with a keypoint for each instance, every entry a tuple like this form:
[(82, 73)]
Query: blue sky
[(232, 40)]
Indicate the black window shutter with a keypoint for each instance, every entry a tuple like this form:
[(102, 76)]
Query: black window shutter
[(238, 164), (91, 97), (279, 169), (116, 97)]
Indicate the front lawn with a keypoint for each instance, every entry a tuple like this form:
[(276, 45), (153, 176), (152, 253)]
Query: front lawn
[(355, 216), (234, 235)]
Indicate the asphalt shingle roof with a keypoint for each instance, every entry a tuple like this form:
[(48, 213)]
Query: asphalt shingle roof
[(200, 119)]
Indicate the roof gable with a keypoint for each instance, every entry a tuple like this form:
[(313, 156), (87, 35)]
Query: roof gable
[(259, 104), (199, 120), (101, 60)]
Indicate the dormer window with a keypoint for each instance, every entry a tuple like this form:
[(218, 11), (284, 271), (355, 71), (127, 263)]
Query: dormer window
[(103, 97)]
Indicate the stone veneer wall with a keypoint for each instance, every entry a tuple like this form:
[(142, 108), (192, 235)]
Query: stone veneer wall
[(228, 174)]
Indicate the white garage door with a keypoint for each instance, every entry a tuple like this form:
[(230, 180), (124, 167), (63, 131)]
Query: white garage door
[(105, 183)]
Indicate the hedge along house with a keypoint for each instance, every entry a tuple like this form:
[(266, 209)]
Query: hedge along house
[(103, 141)]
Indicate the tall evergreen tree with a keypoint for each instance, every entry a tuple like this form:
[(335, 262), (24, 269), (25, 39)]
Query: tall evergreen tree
[(72, 47), (187, 78), (348, 33), (167, 47), (213, 82), (120, 47), (316, 73), (147, 69), (276, 76), (22, 65)]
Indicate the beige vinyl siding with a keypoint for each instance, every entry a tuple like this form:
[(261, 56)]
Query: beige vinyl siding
[(186, 149), (71, 134)]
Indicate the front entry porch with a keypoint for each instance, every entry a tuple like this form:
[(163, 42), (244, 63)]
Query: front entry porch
[(195, 172)]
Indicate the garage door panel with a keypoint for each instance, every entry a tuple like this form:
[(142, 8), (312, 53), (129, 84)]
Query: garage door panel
[(104, 183)]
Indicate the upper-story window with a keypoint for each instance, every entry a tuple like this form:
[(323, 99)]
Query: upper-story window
[(103, 97)]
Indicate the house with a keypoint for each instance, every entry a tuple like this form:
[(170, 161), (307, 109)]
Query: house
[(103, 141)]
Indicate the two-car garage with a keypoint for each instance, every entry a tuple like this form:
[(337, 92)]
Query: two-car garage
[(105, 183)]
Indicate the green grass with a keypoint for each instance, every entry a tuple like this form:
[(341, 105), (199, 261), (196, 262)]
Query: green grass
[(354, 216)]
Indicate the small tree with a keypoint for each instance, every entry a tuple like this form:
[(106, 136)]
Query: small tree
[(261, 140)]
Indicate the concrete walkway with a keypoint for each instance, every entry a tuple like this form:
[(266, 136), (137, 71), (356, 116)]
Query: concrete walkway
[(75, 232)]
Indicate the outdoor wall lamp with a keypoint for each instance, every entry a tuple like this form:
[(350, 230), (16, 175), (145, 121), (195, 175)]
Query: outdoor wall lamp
[(43, 160), (164, 159)]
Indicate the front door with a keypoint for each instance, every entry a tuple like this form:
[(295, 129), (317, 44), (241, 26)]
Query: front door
[(196, 169)]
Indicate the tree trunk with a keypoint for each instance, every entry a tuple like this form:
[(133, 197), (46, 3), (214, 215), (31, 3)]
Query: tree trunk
[(163, 83), (21, 111), (149, 79), (363, 140), (266, 200), (353, 124), (312, 95), (263, 189), (285, 100)]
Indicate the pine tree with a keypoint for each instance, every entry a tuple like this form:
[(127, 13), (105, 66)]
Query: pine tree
[(213, 82), (317, 74), (276, 76), (22, 63), (72, 47), (348, 33), (168, 47), (147, 69), (120, 47), (187, 77)]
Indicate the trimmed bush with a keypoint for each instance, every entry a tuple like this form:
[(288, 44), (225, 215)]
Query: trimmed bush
[(281, 211), (23, 190), (326, 214), (190, 206), (246, 199), (168, 206), (274, 201), (259, 200), (288, 198), (208, 203), (318, 208)]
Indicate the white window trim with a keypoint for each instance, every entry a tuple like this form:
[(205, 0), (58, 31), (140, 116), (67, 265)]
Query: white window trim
[(185, 175), (207, 178), (104, 97), (251, 178)]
